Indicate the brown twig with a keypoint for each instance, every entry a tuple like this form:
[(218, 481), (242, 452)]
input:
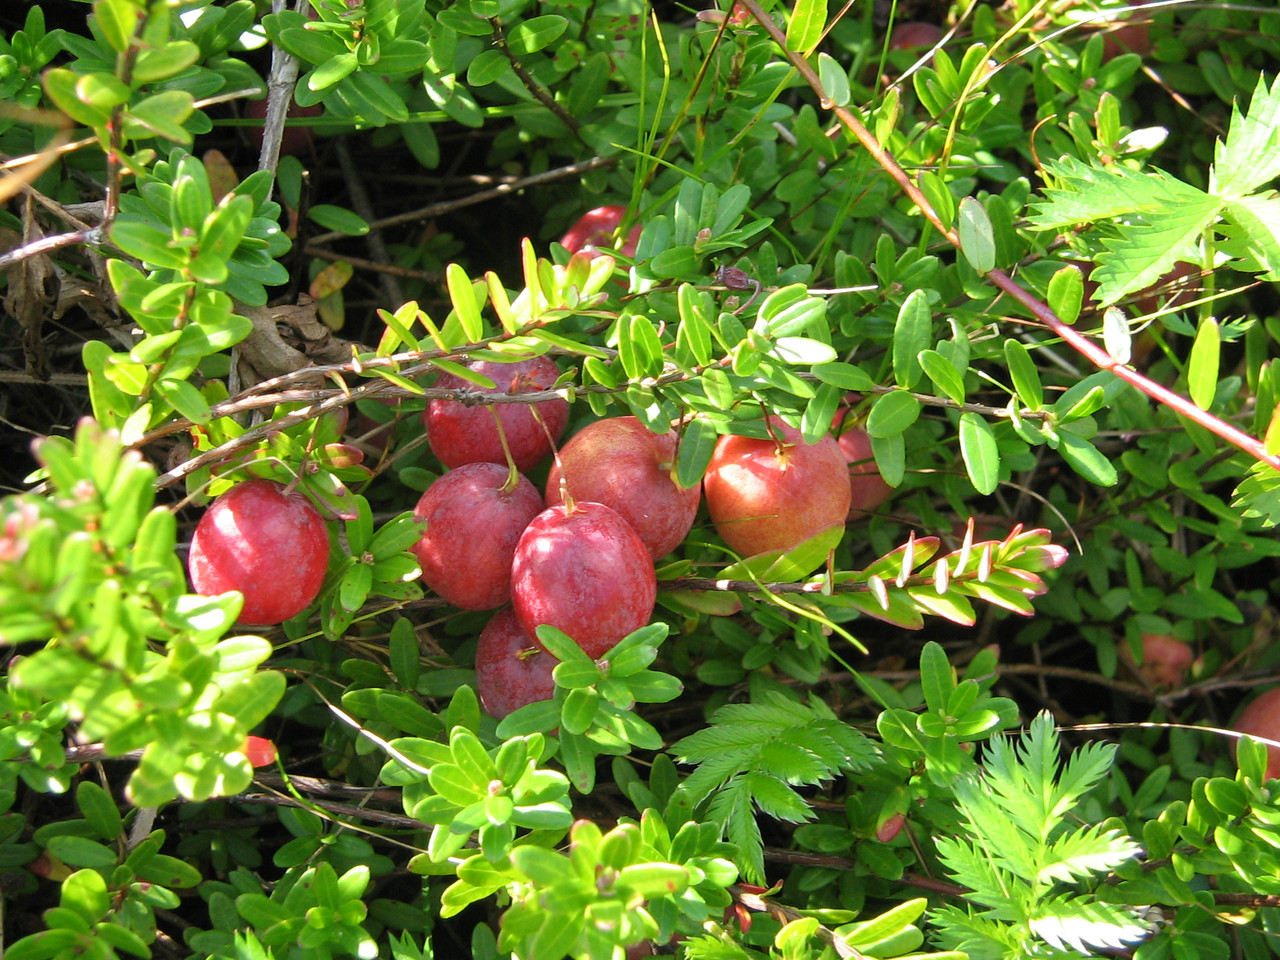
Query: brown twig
[(364, 207), (501, 190), (426, 276), (537, 90)]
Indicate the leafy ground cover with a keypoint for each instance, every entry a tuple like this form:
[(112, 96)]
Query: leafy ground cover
[(1021, 258)]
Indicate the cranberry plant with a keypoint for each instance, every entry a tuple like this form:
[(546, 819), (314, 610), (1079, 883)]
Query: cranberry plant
[(1026, 270)]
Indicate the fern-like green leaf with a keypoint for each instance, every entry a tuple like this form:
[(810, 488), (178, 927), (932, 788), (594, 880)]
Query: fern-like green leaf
[(776, 799), (989, 881), (1086, 926), (1018, 850), (1084, 852), (1087, 194), (1085, 768), (1001, 832), (1249, 157), (1251, 234), (752, 754), (731, 808), (1258, 494), (981, 939)]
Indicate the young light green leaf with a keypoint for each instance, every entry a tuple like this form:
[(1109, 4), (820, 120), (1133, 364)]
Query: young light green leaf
[(559, 644), (843, 375), (1085, 459), (332, 70), (1066, 293), (697, 444), (530, 36), (935, 676), (184, 398), (462, 294), (339, 219), (939, 195), (835, 80), (944, 376), (791, 564), (117, 20), (892, 413), (1202, 366)]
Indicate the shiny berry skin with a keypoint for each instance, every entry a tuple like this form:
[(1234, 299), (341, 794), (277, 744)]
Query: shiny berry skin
[(624, 465), (595, 229), (473, 525), (467, 433), (269, 544), (511, 669), (767, 494), (584, 571)]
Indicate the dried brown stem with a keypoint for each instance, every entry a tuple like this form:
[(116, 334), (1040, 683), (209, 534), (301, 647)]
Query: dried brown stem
[(501, 190)]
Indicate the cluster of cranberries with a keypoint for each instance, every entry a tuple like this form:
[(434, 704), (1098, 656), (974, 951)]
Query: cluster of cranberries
[(578, 556)]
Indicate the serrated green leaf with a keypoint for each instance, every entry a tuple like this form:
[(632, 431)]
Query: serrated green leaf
[(1249, 156), (1251, 234)]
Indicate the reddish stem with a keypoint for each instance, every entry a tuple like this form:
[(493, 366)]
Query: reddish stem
[(1087, 348)]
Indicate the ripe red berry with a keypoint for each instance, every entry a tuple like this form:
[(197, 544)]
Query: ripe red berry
[(767, 494), (595, 229), (914, 35), (268, 543), (867, 489), (1261, 718), (467, 433), (511, 669), (260, 751), (584, 571), (624, 465), (473, 525)]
